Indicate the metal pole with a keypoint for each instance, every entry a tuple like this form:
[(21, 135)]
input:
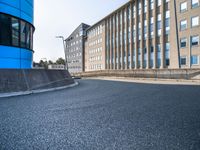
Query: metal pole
[(66, 63)]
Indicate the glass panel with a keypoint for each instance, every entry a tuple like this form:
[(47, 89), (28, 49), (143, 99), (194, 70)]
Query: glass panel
[(15, 32), (23, 34), (5, 30)]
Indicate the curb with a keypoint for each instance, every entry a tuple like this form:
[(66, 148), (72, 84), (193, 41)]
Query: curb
[(149, 81), (13, 94)]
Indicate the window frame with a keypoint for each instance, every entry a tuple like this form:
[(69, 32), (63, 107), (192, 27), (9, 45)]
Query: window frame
[(182, 29), (183, 38), (192, 41), (183, 57), (193, 17), (197, 60), (183, 10), (194, 6)]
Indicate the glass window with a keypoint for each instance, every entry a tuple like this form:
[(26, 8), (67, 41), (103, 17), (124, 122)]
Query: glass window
[(5, 32), (23, 34), (183, 42), (195, 21), (194, 60), (12, 29), (159, 2), (183, 60), (167, 54), (195, 40), (195, 3), (15, 32), (183, 25), (183, 6), (152, 4)]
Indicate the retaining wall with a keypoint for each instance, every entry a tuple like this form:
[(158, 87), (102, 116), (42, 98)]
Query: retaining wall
[(151, 73), (17, 80)]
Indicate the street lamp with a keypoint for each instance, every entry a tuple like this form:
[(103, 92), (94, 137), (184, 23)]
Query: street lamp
[(66, 64)]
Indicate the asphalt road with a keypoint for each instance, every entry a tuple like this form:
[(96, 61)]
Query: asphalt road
[(103, 115)]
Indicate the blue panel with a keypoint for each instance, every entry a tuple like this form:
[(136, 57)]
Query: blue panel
[(26, 54), (9, 10), (9, 52), (18, 8), (26, 64), (13, 57), (30, 2), (27, 17), (27, 8), (9, 63), (13, 3)]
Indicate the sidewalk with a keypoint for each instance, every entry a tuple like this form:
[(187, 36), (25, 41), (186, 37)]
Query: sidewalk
[(149, 80)]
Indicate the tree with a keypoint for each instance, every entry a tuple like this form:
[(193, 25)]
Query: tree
[(43, 64), (60, 61), (50, 62)]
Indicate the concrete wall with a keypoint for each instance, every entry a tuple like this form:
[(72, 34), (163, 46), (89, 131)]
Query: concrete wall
[(25, 80), (150, 73)]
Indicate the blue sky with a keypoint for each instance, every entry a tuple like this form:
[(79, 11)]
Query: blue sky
[(61, 17)]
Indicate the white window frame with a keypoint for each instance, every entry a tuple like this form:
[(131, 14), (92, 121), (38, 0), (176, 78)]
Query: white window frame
[(192, 21), (183, 4)]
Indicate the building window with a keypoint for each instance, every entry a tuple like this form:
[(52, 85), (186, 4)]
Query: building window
[(183, 42), (195, 40), (11, 29), (5, 32), (152, 57), (195, 3), (183, 25), (158, 56), (15, 32), (139, 8), (183, 7), (159, 2), (194, 60), (167, 54), (195, 21), (183, 60), (145, 6), (152, 4), (152, 26)]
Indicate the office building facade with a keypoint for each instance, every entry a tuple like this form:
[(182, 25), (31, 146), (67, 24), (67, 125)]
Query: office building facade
[(75, 45), (95, 47), (16, 34), (154, 34)]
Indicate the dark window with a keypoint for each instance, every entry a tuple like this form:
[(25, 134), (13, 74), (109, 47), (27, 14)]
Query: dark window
[(23, 34), (195, 40), (167, 62), (14, 32), (152, 49), (5, 30), (183, 60), (183, 42)]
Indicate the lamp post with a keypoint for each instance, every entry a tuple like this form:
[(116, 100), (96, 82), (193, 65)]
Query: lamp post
[(66, 64)]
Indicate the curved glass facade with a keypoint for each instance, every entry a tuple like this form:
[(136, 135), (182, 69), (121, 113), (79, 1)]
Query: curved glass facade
[(16, 34)]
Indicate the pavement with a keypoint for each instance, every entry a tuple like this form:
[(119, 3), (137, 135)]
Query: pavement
[(148, 80), (103, 115)]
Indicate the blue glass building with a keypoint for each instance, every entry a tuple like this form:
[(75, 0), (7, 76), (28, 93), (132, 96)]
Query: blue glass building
[(16, 34)]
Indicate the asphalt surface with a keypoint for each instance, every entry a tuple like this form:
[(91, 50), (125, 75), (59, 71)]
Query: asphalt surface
[(103, 115)]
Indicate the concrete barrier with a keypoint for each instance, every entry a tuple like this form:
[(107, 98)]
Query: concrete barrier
[(16, 80), (186, 74)]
